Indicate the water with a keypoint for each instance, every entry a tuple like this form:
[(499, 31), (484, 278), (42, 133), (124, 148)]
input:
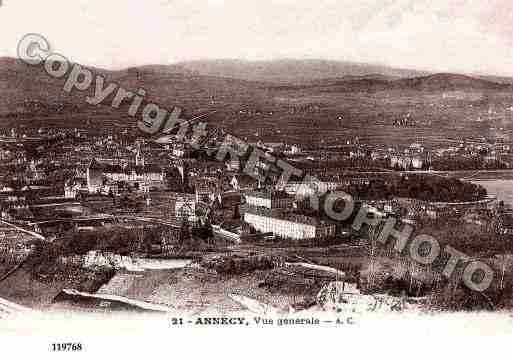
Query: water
[(503, 189)]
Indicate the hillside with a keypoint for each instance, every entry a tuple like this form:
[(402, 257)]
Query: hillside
[(330, 109), (166, 85), (195, 85)]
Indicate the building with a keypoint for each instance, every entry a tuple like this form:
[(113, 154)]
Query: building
[(233, 165), (35, 173), (269, 199), (288, 225), (241, 182), (185, 208), (293, 150), (506, 224), (141, 178), (208, 190), (407, 162), (306, 189), (180, 150), (73, 187), (139, 158)]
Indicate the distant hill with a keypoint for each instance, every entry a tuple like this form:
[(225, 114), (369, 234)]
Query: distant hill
[(303, 99), (229, 82), (292, 71), (447, 82), (498, 79), (197, 84), (22, 85), (374, 83)]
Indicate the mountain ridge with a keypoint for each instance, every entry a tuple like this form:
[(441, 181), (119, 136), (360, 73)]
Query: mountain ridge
[(178, 84)]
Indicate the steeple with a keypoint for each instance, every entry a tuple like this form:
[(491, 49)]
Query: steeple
[(139, 158), (93, 164)]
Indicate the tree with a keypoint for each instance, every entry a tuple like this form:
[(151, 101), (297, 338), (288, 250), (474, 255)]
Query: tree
[(205, 231), (236, 212), (184, 238)]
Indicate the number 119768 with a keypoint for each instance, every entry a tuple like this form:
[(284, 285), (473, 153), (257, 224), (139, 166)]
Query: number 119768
[(67, 347)]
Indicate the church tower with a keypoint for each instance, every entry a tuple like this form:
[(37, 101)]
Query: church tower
[(139, 158)]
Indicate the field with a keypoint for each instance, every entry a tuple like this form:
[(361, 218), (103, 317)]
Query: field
[(436, 118), (368, 117)]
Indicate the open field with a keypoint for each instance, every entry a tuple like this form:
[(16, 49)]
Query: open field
[(368, 117)]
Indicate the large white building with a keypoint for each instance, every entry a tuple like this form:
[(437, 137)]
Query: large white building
[(407, 162), (291, 226)]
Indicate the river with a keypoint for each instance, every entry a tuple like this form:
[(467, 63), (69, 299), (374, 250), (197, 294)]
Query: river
[(502, 188)]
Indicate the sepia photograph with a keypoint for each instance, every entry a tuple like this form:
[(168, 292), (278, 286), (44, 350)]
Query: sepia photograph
[(256, 178)]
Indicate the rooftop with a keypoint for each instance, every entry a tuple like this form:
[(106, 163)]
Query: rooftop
[(269, 194), (108, 168), (286, 216)]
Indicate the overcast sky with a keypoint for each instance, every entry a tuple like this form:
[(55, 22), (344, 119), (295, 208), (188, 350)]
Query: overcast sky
[(473, 36)]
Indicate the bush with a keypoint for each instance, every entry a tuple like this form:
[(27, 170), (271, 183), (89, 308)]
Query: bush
[(239, 265)]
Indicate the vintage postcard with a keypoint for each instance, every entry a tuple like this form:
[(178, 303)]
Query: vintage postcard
[(273, 177)]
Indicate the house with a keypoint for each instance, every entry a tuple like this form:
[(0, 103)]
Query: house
[(186, 209), (317, 185), (242, 182), (293, 150), (73, 187), (407, 162), (180, 150), (208, 190), (233, 165), (506, 223)]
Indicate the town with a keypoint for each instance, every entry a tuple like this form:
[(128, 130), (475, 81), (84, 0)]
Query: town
[(88, 212)]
